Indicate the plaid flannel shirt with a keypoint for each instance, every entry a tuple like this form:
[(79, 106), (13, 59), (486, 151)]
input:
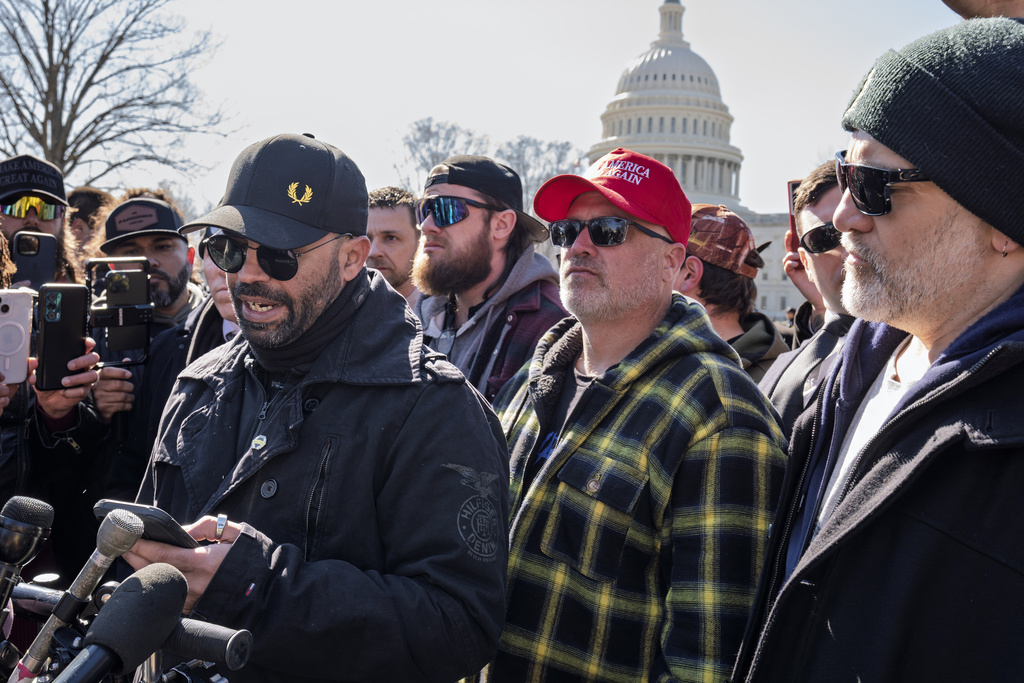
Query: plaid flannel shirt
[(636, 549)]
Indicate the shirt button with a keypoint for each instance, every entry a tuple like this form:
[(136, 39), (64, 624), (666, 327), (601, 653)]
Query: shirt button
[(269, 488), (593, 485)]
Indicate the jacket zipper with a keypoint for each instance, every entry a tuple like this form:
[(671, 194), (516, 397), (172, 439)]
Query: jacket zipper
[(788, 528), (317, 484)]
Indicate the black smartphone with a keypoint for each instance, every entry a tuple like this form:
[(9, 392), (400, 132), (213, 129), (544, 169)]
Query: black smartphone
[(35, 257), (160, 526), (127, 288), (15, 333), (62, 318)]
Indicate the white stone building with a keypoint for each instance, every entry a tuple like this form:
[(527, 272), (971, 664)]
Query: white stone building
[(668, 106)]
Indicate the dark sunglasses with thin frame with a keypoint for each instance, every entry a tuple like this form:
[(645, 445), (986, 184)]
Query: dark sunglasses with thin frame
[(606, 231), (280, 264)]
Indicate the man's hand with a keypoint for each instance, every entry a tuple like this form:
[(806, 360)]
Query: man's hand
[(197, 564), (796, 272), (113, 392), (59, 402)]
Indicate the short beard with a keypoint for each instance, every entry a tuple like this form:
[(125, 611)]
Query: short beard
[(604, 303), (900, 293), (311, 304), (175, 287), (455, 271)]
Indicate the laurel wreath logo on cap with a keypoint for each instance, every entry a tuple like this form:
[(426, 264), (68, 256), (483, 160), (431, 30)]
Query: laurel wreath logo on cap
[(306, 196)]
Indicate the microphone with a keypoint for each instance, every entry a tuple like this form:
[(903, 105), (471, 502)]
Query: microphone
[(118, 532), (137, 619), (192, 639), (24, 525)]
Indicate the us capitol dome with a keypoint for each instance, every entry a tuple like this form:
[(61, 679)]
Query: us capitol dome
[(668, 105)]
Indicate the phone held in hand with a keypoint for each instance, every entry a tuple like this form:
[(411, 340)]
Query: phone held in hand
[(160, 526), (35, 258), (15, 333), (62, 318)]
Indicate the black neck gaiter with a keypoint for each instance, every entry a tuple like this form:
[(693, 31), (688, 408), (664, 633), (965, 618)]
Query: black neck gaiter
[(300, 355)]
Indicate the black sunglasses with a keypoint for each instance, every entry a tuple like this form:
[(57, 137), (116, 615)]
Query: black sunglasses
[(821, 238), (448, 210), (607, 231), (280, 264), (869, 186)]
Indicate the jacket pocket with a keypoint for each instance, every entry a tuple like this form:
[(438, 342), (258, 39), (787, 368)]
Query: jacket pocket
[(592, 513)]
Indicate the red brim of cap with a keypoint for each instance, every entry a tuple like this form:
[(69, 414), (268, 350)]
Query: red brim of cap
[(554, 198)]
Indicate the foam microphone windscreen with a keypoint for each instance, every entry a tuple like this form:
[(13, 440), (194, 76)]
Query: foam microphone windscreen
[(140, 615), (29, 511)]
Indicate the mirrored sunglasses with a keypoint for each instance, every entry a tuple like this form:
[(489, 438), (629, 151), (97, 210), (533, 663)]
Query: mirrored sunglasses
[(44, 210), (869, 186), (448, 210), (607, 231), (821, 238), (280, 264)]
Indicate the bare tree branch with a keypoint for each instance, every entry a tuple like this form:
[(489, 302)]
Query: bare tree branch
[(97, 86)]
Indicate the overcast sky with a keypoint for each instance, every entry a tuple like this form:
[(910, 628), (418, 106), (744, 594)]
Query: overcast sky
[(357, 73)]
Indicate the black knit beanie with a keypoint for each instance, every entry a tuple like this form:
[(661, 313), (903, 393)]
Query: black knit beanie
[(952, 103)]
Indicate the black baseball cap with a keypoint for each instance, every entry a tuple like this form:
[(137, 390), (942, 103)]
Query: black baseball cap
[(289, 191), (493, 179), (27, 174), (140, 216)]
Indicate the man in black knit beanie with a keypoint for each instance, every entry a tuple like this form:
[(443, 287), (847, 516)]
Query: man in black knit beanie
[(897, 552)]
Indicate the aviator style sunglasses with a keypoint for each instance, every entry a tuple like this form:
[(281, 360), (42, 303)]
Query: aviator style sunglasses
[(280, 264), (44, 210), (607, 231), (821, 238), (869, 186), (448, 210)]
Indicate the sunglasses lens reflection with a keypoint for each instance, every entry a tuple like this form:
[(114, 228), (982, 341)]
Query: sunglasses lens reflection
[(226, 254), (278, 264), (446, 210), (821, 239)]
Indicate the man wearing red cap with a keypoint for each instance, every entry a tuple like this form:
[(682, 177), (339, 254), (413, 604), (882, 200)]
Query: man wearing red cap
[(645, 464)]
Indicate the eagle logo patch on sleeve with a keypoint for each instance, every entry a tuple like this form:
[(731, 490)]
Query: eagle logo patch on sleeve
[(478, 517)]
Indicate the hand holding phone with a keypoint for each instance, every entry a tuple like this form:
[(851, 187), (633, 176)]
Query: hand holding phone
[(160, 526), (15, 334), (74, 388), (62, 320)]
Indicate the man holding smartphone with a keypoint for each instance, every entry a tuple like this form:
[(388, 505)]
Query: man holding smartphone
[(351, 522)]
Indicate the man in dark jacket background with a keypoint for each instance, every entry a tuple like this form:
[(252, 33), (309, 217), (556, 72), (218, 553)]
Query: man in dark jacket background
[(897, 555), (357, 532)]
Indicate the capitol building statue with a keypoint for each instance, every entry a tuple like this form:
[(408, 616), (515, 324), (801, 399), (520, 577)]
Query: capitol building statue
[(668, 106)]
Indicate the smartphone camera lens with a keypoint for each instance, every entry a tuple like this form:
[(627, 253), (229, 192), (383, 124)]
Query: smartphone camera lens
[(28, 245), (4, 308)]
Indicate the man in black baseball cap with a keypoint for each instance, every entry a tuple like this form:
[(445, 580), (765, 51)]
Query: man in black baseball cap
[(345, 518), (489, 296)]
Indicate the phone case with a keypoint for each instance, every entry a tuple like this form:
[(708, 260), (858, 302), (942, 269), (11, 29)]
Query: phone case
[(127, 288), (15, 334), (35, 257), (62, 318), (160, 526)]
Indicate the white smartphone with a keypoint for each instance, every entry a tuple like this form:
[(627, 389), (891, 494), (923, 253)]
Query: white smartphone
[(15, 334)]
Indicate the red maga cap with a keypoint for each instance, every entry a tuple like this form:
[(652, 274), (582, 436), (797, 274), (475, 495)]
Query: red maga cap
[(636, 183)]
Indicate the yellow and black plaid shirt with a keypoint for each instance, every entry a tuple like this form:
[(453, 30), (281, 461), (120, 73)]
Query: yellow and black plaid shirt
[(636, 548)]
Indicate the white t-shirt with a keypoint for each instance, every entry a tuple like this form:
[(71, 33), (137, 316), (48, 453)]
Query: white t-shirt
[(874, 411)]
